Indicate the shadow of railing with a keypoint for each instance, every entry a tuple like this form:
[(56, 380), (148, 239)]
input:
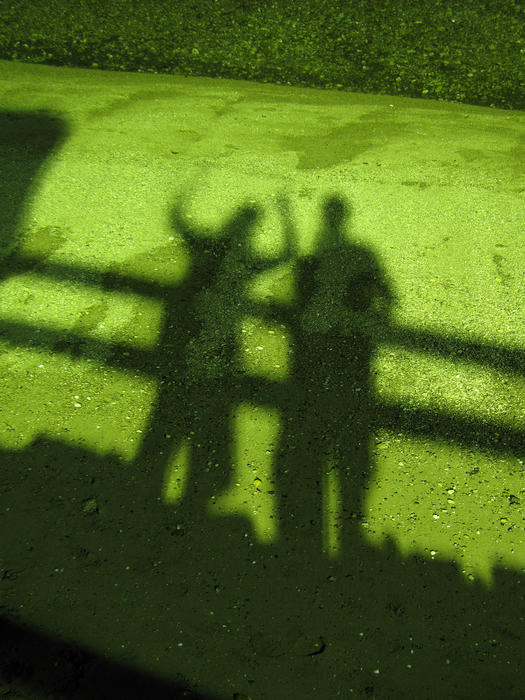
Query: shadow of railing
[(293, 603), (455, 428)]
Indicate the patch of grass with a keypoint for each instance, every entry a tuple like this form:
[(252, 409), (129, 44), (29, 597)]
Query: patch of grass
[(468, 52)]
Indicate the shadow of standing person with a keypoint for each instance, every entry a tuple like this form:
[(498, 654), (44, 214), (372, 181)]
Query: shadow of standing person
[(342, 297)]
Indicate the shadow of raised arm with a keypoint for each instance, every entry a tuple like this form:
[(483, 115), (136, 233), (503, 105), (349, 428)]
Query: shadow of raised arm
[(229, 246), (196, 237)]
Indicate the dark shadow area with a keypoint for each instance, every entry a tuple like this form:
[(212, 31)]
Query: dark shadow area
[(27, 141), (89, 551), (45, 666)]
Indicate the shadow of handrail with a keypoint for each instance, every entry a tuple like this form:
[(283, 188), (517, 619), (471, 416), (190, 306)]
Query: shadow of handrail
[(488, 354), (469, 432)]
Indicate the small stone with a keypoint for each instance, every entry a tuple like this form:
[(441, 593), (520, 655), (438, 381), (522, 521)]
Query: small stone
[(90, 506)]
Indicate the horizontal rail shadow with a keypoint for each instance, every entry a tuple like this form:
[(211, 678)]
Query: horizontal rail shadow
[(474, 433), (508, 359)]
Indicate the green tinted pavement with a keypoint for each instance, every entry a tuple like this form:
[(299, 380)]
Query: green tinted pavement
[(276, 320)]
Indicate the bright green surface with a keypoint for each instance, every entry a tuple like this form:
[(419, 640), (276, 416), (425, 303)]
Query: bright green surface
[(200, 476), (466, 51)]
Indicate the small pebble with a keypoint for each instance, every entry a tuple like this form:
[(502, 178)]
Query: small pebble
[(90, 506)]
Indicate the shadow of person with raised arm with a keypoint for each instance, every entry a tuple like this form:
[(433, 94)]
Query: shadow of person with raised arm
[(200, 366), (342, 295)]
